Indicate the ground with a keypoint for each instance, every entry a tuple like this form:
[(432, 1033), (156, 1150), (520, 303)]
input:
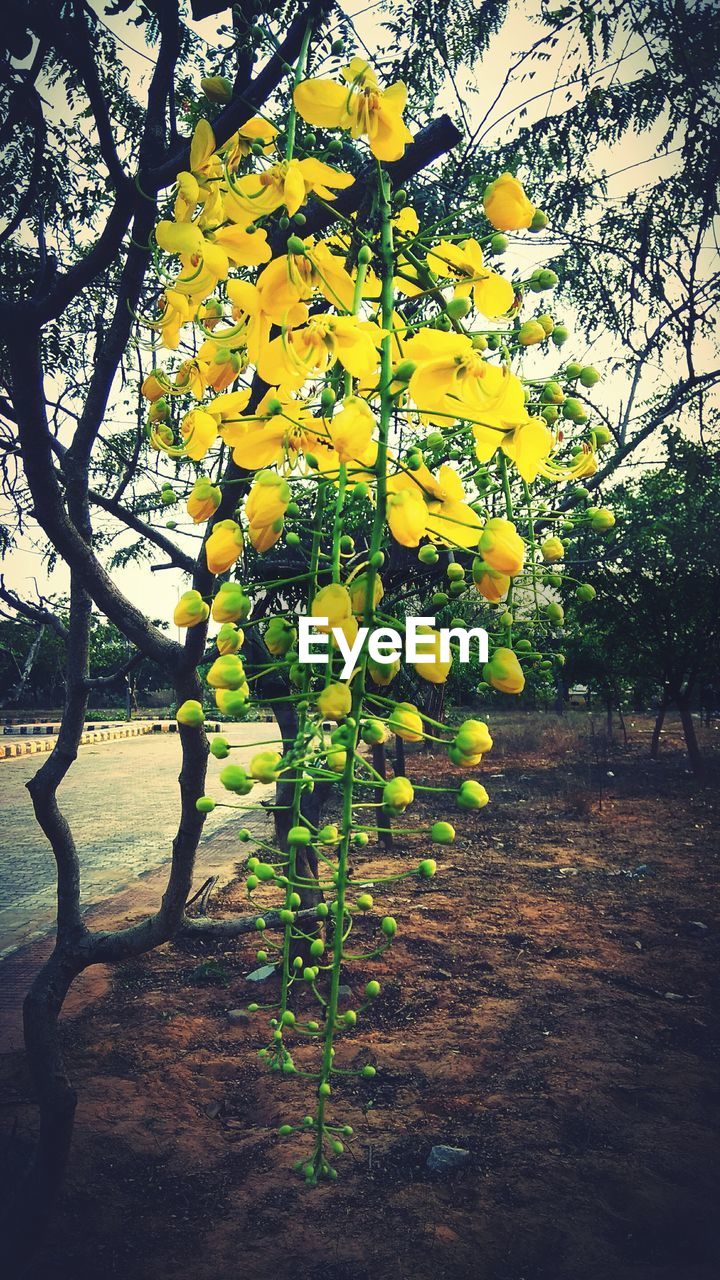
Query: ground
[(550, 1005)]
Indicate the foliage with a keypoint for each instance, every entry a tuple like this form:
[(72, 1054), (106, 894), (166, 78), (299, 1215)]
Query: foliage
[(657, 613)]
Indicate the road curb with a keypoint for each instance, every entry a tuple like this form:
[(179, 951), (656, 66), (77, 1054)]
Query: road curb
[(42, 740)]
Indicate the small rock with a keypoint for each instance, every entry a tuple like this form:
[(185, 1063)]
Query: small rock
[(697, 925), (344, 991), (259, 975), (442, 1159), (214, 1109), (238, 1017), (441, 973)]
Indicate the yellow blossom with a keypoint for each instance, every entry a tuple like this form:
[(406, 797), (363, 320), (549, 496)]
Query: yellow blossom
[(506, 205), (334, 603), (294, 356), (270, 435), (351, 429), (190, 610), (501, 546), (223, 548), (287, 183), (364, 110), (431, 666), (334, 701), (504, 672), (492, 294), (552, 550), (528, 446), (199, 431), (204, 500), (491, 583), (407, 516), (267, 500)]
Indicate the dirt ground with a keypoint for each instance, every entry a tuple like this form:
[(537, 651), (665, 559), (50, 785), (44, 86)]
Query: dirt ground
[(550, 1005)]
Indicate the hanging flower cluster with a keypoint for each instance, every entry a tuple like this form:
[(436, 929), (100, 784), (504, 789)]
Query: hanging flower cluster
[(382, 363)]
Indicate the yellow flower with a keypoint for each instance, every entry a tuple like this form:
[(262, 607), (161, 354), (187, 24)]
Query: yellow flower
[(223, 548), (268, 436), (229, 638), (203, 262), (199, 430), (264, 766), (216, 88), (175, 313), (365, 110), (287, 183), (264, 536), (154, 385), (530, 333), (504, 672), (450, 520), (226, 672), (293, 277), (243, 249), (473, 738), (491, 583), (358, 593), (334, 603), (267, 500), (506, 205), (383, 673), (407, 516), (231, 702), (405, 722), (290, 359), (432, 667), (528, 446), (492, 294), (204, 500), (502, 547), (349, 628), (334, 701), (552, 550), (204, 163), (190, 610), (452, 380), (230, 604), (351, 429), (241, 143), (187, 196)]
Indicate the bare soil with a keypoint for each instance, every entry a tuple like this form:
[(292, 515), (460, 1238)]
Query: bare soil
[(550, 1005)]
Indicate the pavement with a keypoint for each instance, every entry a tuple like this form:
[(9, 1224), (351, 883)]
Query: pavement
[(121, 799)]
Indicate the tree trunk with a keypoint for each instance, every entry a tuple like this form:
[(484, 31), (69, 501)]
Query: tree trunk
[(29, 1208), (559, 694), (655, 742), (691, 742), (609, 716), (379, 759), (623, 726), (19, 691)]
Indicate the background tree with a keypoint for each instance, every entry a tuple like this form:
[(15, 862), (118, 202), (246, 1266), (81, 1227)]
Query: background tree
[(656, 616)]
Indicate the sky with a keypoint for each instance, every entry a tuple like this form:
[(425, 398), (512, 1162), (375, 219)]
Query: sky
[(158, 592)]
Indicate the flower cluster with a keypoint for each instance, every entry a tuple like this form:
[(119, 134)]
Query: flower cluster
[(380, 367)]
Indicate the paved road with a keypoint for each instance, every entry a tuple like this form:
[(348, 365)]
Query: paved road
[(122, 801)]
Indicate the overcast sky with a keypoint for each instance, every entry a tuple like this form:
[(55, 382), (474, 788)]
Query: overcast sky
[(158, 592)]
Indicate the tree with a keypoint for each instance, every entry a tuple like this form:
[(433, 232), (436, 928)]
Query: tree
[(79, 286), (50, 295), (655, 617)]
